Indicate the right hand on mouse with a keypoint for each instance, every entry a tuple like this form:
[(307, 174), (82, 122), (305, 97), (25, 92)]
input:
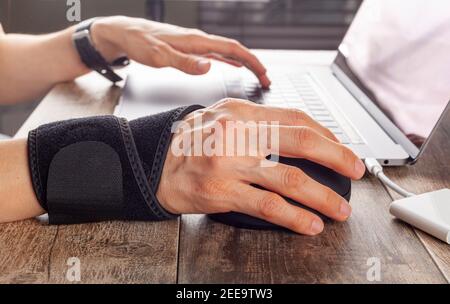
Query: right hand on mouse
[(215, 184)]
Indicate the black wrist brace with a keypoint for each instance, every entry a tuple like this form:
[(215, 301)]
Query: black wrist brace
[(101, 168)]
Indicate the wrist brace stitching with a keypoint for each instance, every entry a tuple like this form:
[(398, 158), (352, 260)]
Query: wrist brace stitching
[(49, 148), (139, 173), (163, 146)]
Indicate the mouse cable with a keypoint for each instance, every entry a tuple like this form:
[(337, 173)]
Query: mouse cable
[(374, 167)]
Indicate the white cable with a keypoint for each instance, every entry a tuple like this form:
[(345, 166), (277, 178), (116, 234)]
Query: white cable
[(374, 167)]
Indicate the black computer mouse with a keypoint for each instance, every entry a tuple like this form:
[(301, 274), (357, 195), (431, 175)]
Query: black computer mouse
[(339, 183)]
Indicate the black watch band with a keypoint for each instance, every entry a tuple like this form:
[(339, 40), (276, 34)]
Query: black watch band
[(91, 57)]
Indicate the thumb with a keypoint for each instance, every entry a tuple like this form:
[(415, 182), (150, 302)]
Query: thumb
[(189, 64)]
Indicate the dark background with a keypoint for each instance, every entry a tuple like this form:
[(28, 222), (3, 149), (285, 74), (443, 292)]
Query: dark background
[(272, 24)]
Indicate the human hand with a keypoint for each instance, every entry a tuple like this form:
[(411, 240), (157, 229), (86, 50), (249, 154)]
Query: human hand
[(160, 45), (211, 183)]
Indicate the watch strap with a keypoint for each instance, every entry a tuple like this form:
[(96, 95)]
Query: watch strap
[(91, 57)]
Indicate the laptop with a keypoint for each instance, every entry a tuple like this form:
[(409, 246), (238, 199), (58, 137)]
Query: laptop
[(375, 93)]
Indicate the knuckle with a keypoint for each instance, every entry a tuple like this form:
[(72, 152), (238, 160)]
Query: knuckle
[(234, 45), (158, 63), (233, 106), (212, 187), (158, 54), (223, 119), (348, 157), (331, 135), (159, 48), (119, 18), (301, 222), (306, 138), (268, 206), (189, 63), (133, 31), (331, 200), (293, 178), (196, 33), (192, 37), (230, 103), (297, 116), (214, 163)]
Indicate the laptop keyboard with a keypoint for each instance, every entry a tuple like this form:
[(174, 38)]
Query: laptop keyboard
[(297, 92)]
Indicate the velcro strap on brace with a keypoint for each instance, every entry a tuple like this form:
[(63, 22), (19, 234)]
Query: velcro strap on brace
[(101, 168)]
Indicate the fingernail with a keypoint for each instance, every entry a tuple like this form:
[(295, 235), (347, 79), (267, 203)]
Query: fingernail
[(202, 65), (316, 227), (360, 168), (345, 210)]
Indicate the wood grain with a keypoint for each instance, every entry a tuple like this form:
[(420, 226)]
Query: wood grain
[(214, 253), (431, 172), (111, 252), (209, 252), (25, 248), (117, 252)]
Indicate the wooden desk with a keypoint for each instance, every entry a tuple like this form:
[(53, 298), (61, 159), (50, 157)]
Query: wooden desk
[(194, 249)]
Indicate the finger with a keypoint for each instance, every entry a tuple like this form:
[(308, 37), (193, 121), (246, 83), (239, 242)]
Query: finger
[(198, 42), (294, 183), (225, 60), (232, 49), (305, 142), (273, 208), (188, 63), (295, 117), (288, 117)]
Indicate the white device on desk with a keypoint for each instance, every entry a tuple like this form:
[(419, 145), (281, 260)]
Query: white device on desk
[(429, 212)]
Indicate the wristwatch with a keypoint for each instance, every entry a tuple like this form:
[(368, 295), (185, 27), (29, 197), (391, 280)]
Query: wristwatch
[(91, 57)]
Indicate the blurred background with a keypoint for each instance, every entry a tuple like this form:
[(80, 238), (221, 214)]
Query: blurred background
[(269, 24)]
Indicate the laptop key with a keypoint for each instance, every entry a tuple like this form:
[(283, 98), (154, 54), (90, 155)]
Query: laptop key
[(329, 124), (317, 107), (321, 118), (336, 130), (311, 102), (320, 112), (342, 138)]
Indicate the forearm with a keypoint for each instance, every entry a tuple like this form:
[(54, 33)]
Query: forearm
[(17, 198), (31, 65), (87, 169)]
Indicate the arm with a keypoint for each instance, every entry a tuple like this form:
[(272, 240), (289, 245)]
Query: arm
[(71, 159), (17, 198), (31, 65)]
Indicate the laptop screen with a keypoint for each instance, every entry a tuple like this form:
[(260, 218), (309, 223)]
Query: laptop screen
[(398, 53)]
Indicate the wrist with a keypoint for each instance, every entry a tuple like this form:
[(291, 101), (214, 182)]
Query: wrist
[(165, 194), (106, 39)]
